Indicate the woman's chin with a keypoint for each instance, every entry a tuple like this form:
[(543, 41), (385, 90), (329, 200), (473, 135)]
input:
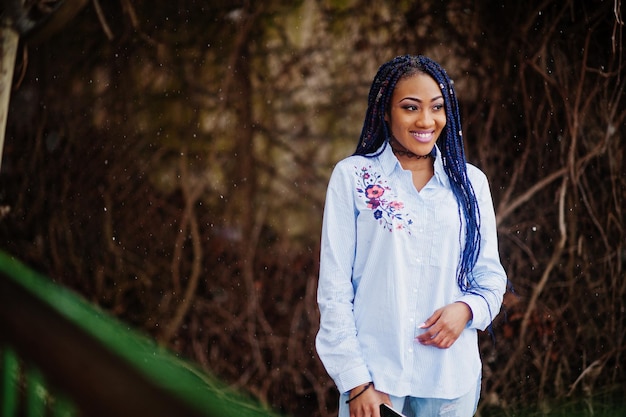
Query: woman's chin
[(424, 149)]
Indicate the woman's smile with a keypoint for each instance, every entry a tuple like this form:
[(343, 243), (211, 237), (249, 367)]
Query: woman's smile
[(423, 137)]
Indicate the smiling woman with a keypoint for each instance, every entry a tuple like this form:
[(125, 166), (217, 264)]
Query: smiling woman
[(408, 237)]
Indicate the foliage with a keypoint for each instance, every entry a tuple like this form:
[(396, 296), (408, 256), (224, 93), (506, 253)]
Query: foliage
[(170, 162)]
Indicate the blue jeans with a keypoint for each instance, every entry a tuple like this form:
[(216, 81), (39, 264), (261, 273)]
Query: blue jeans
[(464, 406)]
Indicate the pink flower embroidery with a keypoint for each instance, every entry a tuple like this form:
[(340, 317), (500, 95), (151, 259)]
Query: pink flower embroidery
[(374, 191), (373, 188)]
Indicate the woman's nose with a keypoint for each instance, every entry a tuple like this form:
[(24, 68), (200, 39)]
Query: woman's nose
[(424, 118)]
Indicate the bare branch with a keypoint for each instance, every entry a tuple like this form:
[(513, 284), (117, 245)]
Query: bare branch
[(103, 22)]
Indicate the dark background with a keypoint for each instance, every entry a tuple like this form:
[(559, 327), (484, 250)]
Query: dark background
[(168, 160)]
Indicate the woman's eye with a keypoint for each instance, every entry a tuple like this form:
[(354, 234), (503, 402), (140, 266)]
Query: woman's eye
[(438, 107), (410, 108)]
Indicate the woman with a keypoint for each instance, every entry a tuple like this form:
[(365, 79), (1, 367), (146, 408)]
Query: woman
[(409, 267)]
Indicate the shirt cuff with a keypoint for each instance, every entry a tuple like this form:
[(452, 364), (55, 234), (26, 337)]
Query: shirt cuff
[(475, 304), (353, 378)]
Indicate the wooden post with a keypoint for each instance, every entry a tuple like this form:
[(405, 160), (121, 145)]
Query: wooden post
[(8, 50)]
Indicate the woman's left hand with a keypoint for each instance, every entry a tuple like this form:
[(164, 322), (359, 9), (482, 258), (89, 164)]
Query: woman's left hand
[(445, 325)]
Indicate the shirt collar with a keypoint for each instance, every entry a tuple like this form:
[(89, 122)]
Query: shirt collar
[(389, 162), (440, 174), (387, 159)]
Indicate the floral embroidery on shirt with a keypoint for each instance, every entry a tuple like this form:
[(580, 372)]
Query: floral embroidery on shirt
[(373, 189)]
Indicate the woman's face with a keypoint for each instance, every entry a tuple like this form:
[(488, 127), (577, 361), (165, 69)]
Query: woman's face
[(416, 113)]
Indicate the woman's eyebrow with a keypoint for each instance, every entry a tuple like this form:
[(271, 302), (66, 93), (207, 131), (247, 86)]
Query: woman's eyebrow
[(420, 100)]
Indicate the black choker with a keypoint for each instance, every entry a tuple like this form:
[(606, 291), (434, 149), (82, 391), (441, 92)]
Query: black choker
[(405, 152)]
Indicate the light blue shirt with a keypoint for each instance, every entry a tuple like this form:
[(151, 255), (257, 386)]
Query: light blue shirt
[(389, 256)]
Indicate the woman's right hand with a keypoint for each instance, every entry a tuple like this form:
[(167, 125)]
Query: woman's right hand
[(368, 403)]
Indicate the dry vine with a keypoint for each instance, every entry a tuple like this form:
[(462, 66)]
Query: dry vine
[(204, 269)]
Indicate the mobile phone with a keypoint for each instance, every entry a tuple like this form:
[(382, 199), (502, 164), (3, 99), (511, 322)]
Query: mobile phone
[(386, 411)]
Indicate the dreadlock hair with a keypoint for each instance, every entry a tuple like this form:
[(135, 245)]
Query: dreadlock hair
[(375, 134)]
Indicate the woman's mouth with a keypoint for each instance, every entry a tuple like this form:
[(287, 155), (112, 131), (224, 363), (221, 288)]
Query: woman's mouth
[(423, 137)]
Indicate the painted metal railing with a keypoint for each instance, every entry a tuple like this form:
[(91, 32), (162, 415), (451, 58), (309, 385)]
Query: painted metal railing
[(62, 356)]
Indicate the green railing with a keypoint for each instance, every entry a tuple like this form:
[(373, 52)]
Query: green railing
[(62, 356)]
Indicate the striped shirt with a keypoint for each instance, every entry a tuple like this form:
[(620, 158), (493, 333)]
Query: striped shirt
[(389, 256)]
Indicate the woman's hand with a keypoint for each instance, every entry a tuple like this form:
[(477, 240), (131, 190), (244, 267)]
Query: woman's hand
[(368, 403), (445, 325)]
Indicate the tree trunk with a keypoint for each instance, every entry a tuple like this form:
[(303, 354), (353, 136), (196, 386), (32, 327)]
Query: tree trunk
[(8, 50)]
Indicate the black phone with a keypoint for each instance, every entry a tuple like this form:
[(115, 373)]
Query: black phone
[(386, 411)]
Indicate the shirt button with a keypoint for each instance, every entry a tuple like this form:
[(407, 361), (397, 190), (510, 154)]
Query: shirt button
[(410, 350), (419, 261), (414, 289)]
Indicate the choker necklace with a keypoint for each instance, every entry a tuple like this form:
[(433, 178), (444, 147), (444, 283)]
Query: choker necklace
[(402, 151)]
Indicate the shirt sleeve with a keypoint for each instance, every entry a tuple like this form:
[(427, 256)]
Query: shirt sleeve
[(336, 341), (489, 275)]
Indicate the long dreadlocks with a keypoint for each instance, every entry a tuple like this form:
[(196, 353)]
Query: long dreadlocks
[(375, 134)]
